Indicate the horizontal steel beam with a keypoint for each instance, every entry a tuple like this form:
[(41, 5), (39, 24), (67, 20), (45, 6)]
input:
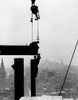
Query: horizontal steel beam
[(31, 49)]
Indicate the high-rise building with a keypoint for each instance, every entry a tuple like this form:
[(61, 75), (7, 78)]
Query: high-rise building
[(2, 75)]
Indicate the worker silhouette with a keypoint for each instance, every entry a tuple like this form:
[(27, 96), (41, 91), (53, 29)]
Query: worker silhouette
[(34, 64), (34, 73), (35, 11)]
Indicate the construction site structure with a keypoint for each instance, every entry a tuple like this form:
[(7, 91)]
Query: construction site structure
[(31, 49)]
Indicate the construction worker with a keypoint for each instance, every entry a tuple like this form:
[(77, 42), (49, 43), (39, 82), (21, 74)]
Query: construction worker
[(35, 11)]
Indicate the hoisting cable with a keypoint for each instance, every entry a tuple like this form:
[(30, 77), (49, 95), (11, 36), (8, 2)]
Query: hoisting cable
[(31, 27), (35, 11), (68, 69), (37, 30)]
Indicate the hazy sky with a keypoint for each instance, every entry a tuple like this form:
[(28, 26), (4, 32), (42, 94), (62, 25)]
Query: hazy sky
[(58, 27)]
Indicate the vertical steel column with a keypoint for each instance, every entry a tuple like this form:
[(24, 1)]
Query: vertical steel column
[(19, 77), (33, 76)]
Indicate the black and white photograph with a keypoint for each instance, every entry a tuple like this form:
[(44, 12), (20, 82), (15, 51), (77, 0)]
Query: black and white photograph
[(39, 49)]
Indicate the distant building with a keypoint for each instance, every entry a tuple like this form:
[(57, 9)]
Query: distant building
[(2, 75)]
